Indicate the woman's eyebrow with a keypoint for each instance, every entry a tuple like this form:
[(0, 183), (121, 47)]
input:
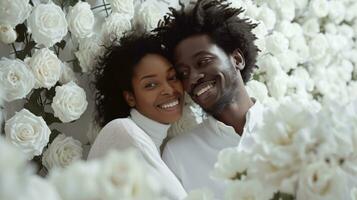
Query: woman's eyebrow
[(148, 76)]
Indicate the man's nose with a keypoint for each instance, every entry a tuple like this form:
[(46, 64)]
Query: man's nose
[(194, 78)]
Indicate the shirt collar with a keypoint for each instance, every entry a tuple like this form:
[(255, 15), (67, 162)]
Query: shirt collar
[(253, 118), (155, 130)]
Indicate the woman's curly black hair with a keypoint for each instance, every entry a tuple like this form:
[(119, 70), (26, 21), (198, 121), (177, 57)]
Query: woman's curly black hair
[(114, 72), (217, 20)]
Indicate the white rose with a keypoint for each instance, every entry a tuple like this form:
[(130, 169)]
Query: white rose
[(7, 34), (311, 27), (67, 74), (46, 68), (77, 181), (248, 189), (318, 46), (287, 10), (115, 26), (252, 10), (286, 28), (267, 15), (331, 28), (16, 80), (337, 11), (319, 8), (351, 12), (80, 20), (231, 162), (14, 173), (48, 24), (322, 182), (269, 64), (122, 173), (88, 53), (257, 90), (354, 193), (149, 13), (337, 43), (70, 102), (288, 60), (299, 45), (41, 189), (302, 80), (28, 132), (123, 6), (277, 43), (346, 31), (200, 194), (14, 12), (301, 4), (278, 85), (62, 152)]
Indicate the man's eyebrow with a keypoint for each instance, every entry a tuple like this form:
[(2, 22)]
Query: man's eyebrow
[(203, 52)]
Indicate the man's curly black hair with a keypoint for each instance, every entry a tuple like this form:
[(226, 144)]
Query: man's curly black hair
[(217, 20), (114, 72)]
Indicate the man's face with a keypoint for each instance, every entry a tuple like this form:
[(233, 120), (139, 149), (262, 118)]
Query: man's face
[(207, 72)]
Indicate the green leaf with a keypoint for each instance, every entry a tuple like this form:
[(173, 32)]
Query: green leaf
[(51, 93), (21, 31), (54, 134), (76, 67), (61, 44), (50, 118), (27, 50), (283, 196), (34, 103)]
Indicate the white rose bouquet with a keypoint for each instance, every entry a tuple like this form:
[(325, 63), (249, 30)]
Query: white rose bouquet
[(299, 151)]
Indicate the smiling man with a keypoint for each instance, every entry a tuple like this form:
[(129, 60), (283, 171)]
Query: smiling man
[(214, 54)]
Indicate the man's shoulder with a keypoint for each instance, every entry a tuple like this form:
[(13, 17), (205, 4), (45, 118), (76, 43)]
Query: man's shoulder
[(190, 137)]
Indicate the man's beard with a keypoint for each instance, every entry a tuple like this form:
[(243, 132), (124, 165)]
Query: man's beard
[(226, 99)]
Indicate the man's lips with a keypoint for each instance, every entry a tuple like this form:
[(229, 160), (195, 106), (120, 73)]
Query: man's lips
[(201, 88)]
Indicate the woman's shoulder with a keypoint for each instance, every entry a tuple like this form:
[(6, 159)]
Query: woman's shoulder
[(117, 134)]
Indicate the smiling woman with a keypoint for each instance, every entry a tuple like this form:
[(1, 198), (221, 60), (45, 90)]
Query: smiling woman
[(137, 97)]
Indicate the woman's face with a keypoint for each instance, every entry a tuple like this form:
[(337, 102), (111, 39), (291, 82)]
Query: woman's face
[(157, 93)]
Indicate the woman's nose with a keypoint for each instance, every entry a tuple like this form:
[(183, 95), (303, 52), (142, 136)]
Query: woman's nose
[(167, 89)]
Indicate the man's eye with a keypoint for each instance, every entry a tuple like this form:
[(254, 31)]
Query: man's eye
[(204, 61), (183, 75)]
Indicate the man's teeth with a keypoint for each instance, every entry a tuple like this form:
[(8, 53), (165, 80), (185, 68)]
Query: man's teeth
[(170, 105), (203, 90)]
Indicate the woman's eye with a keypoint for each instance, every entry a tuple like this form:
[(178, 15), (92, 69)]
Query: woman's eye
[(150, 85), (173, 78)]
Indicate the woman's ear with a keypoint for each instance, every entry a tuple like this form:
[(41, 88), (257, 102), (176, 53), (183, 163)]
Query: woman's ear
[(238, 59), (129, 98)]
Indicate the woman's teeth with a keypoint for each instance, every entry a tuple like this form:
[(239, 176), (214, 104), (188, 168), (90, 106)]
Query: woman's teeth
[(205, 89), (170, 105)]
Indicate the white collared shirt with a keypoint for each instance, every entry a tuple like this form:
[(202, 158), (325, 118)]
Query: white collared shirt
[(146, 136), (191, 156)]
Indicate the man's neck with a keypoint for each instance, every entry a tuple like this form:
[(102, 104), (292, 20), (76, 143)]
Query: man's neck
[(234, 114)]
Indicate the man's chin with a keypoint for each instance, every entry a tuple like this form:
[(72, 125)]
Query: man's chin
[(217, 107)]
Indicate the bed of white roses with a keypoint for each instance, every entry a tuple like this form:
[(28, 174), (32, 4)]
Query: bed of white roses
[(305, 149)]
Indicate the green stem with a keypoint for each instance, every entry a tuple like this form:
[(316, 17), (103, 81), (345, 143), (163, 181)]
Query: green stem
[(105, 7), (95, 7), (15, 51)]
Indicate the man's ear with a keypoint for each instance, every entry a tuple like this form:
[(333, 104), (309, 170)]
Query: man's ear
[(129, 98), (238, 59)]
